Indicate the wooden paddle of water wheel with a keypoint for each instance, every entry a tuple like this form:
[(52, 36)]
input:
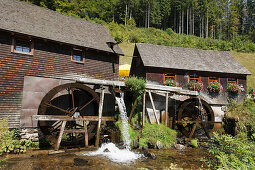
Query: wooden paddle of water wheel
[(195, 117), (73, 109)]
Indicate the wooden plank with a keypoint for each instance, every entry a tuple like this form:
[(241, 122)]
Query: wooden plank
[(132, 111), (74, 131), (178, 90), (60, 135), (101, 82), (166, 114), (100, 111), (68, 118), (86, 135), (153, 107), (144, 100)]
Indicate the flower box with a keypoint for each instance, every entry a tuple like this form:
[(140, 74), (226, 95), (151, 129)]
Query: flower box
[(195, 86), (234, 88), (214, 87), (170, 82)]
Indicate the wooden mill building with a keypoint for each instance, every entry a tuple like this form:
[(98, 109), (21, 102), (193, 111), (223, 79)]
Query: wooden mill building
[(158, 63), (42, 49)]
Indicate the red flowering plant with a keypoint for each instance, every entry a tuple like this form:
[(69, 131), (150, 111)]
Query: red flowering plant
[(234, 88), (170, 82), (195, 86), (214, 87)]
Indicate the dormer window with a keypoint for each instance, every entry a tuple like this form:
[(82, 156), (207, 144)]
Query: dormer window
[(22, 45), (77, 56)]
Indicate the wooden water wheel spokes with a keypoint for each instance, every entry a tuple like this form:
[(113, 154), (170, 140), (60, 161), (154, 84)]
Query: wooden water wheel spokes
[(195, 119), (72, 100)]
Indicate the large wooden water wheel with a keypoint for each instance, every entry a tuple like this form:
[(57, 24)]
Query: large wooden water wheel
[(72, 100), (195, 118)]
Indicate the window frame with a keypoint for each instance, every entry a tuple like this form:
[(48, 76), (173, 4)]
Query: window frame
[(82, 55), (212, 80), (235, 82), (22, 38), (198, 79), (164, 77)]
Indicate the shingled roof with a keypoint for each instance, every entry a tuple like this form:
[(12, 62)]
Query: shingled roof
[(189, 59), (29, 19)]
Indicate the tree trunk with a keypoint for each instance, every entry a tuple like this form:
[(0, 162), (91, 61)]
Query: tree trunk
[(193, 23), (190, 21), (182, 21), (126, 15), (146, 15), (149, 10), (179, 23), (206, 29), (202, 26), (174, 20), (187, 31)]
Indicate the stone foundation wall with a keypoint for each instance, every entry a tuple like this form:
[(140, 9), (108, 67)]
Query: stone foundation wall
[(32, 134)]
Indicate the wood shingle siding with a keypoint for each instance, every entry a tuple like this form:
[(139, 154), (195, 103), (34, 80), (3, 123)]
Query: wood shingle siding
[(50, 59)]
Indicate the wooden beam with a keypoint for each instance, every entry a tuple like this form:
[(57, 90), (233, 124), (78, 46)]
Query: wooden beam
[(86, 135), (144, 100), (100, 111), (132, 111), (153, 107), (60, 135), (166, 114), (68, 118)]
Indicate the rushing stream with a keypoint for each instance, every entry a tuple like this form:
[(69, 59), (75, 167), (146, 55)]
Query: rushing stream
[(110, 150)]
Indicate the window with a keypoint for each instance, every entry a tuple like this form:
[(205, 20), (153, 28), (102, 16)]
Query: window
[(169, 76), (194, 78), (77, 56), (212, 79), (232, 80), (22, 45)]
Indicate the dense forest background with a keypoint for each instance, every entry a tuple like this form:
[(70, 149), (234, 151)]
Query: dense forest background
[(216, 19)]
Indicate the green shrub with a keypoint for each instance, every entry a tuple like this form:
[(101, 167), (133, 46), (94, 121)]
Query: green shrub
[(193, 143), (9, 142), (136, 85), (152, 133), (231, 153)]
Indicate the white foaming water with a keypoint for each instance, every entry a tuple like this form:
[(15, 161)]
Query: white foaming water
[(124, 120), (109, 149), (115, 154)]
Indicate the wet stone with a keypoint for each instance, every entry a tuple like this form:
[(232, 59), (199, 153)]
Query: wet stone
[(80, 162), (106, 150), (159, 145), (179, 147)]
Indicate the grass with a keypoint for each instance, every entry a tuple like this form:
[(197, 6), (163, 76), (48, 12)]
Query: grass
[(248, 61), (128, 50)]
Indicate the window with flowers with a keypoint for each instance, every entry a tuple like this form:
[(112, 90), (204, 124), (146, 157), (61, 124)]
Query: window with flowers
[(194, 78), (169, 79), (195, 82), (214, 85)]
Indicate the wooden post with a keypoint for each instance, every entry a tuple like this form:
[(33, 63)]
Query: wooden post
[(86, 134), (143, 117), (153, 107), (100, 110), (132, 111), (60, 135), (166, 114)]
